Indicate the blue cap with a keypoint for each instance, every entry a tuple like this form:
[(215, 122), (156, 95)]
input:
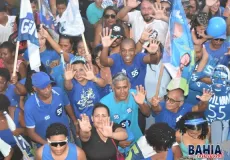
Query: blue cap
[(40, 80), (223, 36)]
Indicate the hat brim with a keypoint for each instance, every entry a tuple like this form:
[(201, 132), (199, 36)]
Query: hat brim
[(43, 86)]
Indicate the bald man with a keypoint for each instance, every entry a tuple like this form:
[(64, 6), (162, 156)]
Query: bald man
[(173, 106)]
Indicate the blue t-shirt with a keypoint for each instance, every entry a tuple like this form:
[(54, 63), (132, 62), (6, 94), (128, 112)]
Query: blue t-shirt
[(135, 72), (94, 13), (72, 152), (47, 57), (83, 98), (196, 86), (169, 117), (123, 111), (39, 115), (218, 107), (12, 96), (7, 135), (218, 55)]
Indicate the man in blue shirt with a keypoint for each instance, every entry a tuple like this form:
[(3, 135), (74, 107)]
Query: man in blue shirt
[(217, 49), (124, 103), (173, 108), (45, 107), (128, 62)]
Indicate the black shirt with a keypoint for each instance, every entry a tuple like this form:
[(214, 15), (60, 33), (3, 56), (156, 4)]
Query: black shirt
[(97, 149)]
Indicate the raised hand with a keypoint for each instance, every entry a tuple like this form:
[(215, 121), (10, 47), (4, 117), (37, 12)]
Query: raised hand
[(159, 12), (133, 3), (43, 32), (210, 2), (205, 97), (107, 128), (153, 46), (106, 39), (139, 97), (146, 33), (155, 101), (84, 123), (89, 75), (69, 72)]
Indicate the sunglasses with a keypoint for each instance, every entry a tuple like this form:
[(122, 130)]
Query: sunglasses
[(113, 16), (219, 39), (60, 143), (171, 101)]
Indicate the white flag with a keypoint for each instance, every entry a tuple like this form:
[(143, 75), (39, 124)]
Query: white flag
[(71, 23)]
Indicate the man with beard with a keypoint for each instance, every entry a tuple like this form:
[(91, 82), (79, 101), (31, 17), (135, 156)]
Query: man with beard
[(150, 16), (45, 107)]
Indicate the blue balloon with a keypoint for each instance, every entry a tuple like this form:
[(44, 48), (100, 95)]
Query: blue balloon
[(216, 27)]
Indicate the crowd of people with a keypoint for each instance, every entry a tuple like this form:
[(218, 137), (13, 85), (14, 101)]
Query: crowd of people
[(104, 101)]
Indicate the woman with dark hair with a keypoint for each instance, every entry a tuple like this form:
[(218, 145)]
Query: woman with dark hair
[(80, 50), (5, 133), (100, 140), (66, 43), (7, 51), (82, 85), (214, 9), (192, 129), (159, 142), (109, 18), (12, 90), (58, 146), (48, 56), (199, 24), (104, 72), (162, 137)]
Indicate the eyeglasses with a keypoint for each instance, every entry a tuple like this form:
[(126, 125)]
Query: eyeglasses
[(113, 16), (60, 143), (219, 39), (172, 101)]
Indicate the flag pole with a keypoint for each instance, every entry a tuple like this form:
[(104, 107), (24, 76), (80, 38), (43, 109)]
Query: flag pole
[(85, 45), (16, 58), (159, 80), (124, 2)]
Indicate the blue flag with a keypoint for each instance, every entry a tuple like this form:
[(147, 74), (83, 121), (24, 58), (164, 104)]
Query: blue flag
[(46, 16), (27, 31), (178, 56)]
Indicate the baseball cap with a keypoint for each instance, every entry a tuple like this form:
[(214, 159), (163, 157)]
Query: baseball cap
[(117, 30), (179, 83), (223, 36), (40, 80)]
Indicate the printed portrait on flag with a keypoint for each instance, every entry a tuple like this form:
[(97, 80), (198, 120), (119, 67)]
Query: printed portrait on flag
[(178, 56)]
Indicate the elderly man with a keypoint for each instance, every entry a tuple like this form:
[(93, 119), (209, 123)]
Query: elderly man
[(45, 107), (124, 103), (173, 106)]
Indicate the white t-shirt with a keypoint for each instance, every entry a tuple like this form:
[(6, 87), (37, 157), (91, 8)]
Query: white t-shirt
[(7, 30), (159, 27)]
